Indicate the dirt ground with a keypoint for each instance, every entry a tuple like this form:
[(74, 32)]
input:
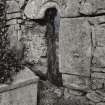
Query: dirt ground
[(48, 94)]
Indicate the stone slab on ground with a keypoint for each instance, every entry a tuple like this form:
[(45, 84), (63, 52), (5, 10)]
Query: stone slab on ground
[(94, 97), (23, 91)]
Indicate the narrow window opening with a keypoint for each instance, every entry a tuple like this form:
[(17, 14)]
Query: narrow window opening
[(53, 74)]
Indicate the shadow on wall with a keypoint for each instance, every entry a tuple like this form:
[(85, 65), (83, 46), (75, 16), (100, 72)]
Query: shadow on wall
[(52, 36), (52, 21)]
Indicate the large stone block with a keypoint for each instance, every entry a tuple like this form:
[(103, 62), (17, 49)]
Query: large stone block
[(11, 22), (98, 39), (75, 46), (42, 65), (98, 80), (35, 42), (101, 103), (13, 16), (23, 91), (98, 69), (100, 34), (98, 75), (21, 2), (12, 6), (99, 57), (14, 34), (69, 8), (79, 83), (94, 97)]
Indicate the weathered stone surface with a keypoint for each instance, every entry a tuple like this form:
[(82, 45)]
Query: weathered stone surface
[(67, 8), (34, 40), (67, 45), (37, 8), (42, 65), (23, 91), (24, 75), (14, 34), (77, 93), (94, 97), (78, 83), (98, 75), (86, 9), (98, 70), (99, 56), (59, 92), (13, 16), (98, 22), (41, 68), (101, 103), (99, 31), (101, 92), (12, 6), (32, 8), (19, 21), (98, 83), (11, 22), (20, 2), (99, 51), (90, 7), (75, 46), (76, 100), (66, 93), (74, 92)]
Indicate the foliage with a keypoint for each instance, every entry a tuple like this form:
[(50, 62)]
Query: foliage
[(10, 64)]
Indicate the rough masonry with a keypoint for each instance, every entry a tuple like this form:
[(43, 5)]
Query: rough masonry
[(81, 40)]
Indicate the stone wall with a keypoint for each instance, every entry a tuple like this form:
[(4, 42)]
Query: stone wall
[(27, 33), (81, 38), (82, 44)]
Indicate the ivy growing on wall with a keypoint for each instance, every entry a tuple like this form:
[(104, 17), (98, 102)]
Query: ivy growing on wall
[(10, 64)]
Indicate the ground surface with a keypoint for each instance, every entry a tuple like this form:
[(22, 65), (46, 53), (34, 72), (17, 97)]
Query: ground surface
[(51, 95)]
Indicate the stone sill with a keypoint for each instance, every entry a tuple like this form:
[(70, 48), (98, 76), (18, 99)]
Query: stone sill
[(22, 91), (18, 84)]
